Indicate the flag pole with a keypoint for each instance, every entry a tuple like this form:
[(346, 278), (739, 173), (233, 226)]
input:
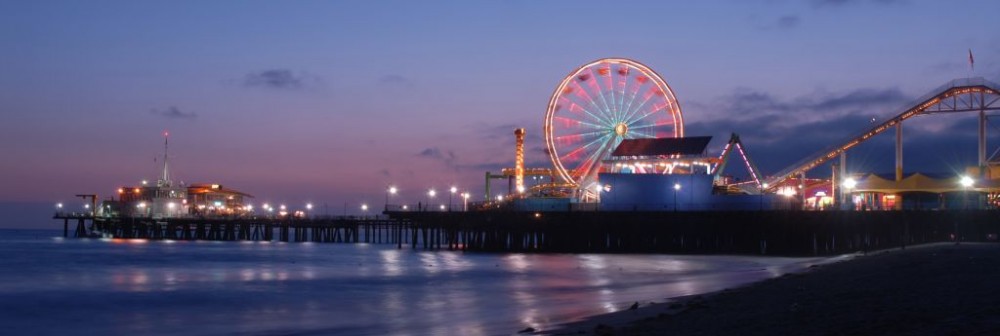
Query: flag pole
[(972, 64)]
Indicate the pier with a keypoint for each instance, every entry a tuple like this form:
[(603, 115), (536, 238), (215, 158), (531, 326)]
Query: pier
[(789, 233)]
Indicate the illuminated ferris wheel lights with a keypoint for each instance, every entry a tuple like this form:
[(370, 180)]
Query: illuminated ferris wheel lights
[(600, 104)]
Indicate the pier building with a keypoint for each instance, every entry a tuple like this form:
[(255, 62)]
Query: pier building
[(667, 174), (170, 199)]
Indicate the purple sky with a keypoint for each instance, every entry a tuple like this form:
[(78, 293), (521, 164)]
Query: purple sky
[(329, 102)]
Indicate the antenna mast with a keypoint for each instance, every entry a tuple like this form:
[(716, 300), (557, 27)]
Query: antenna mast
[(165, 178)]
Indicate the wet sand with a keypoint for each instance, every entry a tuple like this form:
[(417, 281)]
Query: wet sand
[(939, 289)]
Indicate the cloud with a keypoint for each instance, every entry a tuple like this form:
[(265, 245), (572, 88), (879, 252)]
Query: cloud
[(395, 81), (278, 79), (174, 113), (861, 98), (448, 158), (746, 102), (842, 3), (779, 132), (784, 22), (787, 22)]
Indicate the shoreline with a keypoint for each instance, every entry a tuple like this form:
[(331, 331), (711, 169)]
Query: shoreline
[(596, 324), (887, 291)]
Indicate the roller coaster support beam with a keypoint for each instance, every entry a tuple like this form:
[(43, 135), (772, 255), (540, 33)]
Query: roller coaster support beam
[(843, 177), (899, 152), (899, 162), (982, 134)]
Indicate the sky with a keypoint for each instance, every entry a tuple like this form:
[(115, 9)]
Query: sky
[(329, 102)]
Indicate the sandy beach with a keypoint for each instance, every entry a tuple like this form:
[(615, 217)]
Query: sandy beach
[(938, 289)]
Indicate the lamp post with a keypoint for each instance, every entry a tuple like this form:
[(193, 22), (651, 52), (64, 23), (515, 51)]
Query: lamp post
[(364, 211), (453, 190), (849, 184), (465, 201), (389, 191), (309, 207), (677, 187), (966, 182), (430, 195)]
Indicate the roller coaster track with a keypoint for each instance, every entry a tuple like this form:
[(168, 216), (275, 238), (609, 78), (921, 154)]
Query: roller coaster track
[(960, 95)]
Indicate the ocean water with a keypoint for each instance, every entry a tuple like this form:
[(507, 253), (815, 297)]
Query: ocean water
[(55, 286)]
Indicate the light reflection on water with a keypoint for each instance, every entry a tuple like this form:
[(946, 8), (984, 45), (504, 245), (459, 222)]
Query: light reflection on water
[(181, 287)]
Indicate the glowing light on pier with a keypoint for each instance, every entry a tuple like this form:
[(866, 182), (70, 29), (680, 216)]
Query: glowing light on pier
[(850, 183), (966, 181)]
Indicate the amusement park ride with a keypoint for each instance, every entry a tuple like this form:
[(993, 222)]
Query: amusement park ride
[(590, 113), (605, 102)]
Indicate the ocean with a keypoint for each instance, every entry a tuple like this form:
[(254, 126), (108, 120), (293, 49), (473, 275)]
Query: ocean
[(55, 286)]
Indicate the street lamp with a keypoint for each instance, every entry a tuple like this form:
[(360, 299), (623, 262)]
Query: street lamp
[(849, 184), (391, 191), (453, 190), (677, 187), (430, 195), (364, 210), (465, 201), (966, 182)]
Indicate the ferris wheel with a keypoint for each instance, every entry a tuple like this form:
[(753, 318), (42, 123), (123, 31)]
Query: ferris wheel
[(597, 106)]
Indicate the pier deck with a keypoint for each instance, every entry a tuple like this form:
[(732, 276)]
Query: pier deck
[(750, 232)]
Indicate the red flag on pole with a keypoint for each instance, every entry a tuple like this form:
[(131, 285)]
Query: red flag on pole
[(972, 61)]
